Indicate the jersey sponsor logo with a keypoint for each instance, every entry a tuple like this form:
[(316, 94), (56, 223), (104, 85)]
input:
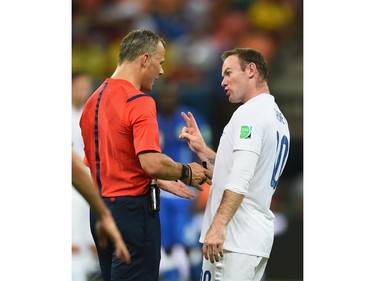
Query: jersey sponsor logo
[(246, 132)]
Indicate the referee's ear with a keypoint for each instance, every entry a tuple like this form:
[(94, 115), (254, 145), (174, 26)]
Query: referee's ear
[(145, 60)]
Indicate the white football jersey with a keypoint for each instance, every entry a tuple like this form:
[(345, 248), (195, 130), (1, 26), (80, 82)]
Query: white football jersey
[(260, 127)]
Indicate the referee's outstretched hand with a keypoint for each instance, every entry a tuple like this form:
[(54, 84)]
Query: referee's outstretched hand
[(177, 188)]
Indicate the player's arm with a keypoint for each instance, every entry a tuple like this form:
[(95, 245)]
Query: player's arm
[(83, 183), (242, 171), (215, 236), (106, 225)]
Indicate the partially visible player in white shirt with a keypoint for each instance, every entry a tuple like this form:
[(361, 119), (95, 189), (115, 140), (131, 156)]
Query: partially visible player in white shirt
[(84, 257), (238, 225)]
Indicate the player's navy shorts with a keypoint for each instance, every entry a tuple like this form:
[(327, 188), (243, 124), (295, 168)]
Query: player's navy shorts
[(140, 230)]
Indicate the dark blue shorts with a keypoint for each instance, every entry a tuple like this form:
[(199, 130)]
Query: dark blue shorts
[(140, 230)]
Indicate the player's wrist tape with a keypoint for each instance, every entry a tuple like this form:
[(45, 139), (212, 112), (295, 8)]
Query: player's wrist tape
[(186, 174)]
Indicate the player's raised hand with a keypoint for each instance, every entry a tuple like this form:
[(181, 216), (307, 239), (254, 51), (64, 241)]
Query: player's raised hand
[(192, 134)]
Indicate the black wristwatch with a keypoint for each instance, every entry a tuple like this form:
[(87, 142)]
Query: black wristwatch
[(185, 176), (185, 172)]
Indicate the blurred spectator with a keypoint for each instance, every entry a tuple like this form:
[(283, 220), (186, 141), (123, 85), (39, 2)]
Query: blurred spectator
[(229, 27), (84, 260), (171, 18), (194, 55), (261, 41), (178, 227)]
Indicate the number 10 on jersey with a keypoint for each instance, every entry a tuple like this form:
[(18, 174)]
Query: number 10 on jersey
[(282, 149)]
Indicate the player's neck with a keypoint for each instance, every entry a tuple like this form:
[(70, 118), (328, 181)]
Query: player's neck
[(261, 88)]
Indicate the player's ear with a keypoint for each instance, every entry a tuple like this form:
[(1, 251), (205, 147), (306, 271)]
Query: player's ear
[(251, 68)]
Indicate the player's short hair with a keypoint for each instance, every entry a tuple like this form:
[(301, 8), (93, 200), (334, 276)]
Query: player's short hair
[(246, 56), (138, 42)]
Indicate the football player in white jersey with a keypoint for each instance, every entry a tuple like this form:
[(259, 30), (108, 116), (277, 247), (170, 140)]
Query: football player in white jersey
[(238, 225)]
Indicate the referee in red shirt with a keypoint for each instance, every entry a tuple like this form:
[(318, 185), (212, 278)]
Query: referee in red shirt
[(122, 149)]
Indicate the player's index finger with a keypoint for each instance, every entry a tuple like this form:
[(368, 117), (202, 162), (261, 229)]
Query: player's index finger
[(191, 116), (185, 117)]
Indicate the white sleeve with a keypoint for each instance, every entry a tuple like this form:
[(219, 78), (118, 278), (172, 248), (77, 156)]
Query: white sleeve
[(244, 163)]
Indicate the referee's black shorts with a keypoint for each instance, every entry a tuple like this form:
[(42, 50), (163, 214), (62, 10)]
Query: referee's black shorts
[(140, 230)]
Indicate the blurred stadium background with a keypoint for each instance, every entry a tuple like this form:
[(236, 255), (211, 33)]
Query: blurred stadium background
[(197, 32)]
